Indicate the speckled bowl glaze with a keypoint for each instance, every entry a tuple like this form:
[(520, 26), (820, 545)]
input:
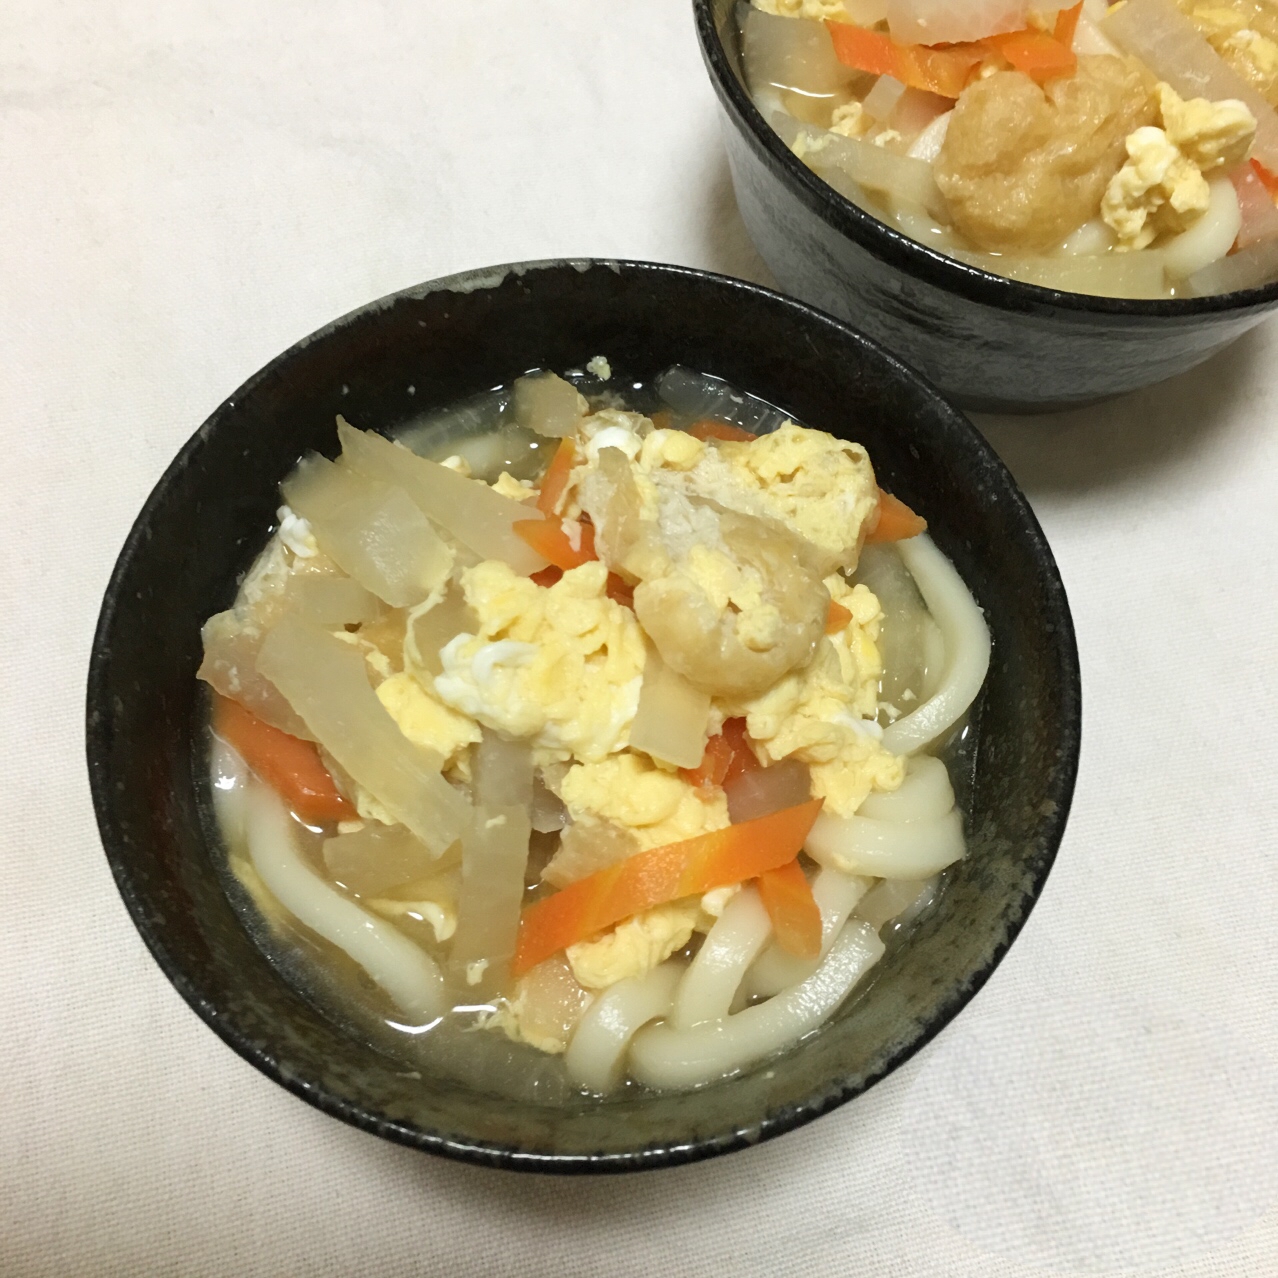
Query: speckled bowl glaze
[(426, 348), (990, 343)]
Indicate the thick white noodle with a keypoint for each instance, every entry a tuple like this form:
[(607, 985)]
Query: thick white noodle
[(712, 978), (924, 795), (662, 1056), (407, 973), (967, 647), (836, 895), (899, 899), (229, 776), (595, 1054), (886, 849)]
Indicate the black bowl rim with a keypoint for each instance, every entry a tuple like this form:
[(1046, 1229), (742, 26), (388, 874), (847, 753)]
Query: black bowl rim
[(495, 1154), (918, 260)]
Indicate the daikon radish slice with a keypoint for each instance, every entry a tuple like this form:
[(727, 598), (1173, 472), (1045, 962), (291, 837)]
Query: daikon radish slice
[(547, 405), (886, 849), (841, 160), (1105, 275), (465, 508), (671, 721), (758, 791), (432, 624), (1171, 46), (325, 682), (370, 861), (662, 1056), (945, 22), (333, 601), (1248, 268), (372, 530), (401, 968), (596, 1053), (837, 895), (502, 772), (790, 53), (494, 859)]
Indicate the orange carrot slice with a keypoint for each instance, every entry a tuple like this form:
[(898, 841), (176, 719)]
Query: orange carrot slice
[(897, 522), (1269, 180), (1067, 25), (620, 591), (708, 428), (710, 774), (836, 618), (546, 577), (648, 879), (555, 480), (550, 539), (1038, 55), (944, 71), (290, 766), (795, 915)]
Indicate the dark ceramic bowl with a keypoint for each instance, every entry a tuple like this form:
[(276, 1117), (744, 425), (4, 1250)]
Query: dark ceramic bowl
[(430, 346), (990, 343)]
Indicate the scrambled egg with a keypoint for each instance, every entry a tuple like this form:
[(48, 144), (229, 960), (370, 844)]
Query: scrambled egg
[(431, 903), (851, 120), (630, 791), (636, 946), (508, 486), (561, 667), (823, 715), (1161, 188), (425, 720)]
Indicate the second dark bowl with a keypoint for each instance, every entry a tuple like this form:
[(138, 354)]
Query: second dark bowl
[(992, 344)]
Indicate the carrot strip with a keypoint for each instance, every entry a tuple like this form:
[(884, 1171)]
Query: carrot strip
[(546, 577), (1269, 180), (710, 773), (555, 480), (795, 915), (1038, 55), (1067, 25), (836, 618), (648, 879), (897, 522), (708, 428), (290, 766), (944, 71), (744, 758), (620, 591), (549, 539)]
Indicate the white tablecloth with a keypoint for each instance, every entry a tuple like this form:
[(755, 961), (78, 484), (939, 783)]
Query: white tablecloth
[(186, 188)]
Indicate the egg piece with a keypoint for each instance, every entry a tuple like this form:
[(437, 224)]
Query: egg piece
[(629, 791), (560, 667), (508, 486), (425, 720), (823, 715), (1210, 135), (635, 947)]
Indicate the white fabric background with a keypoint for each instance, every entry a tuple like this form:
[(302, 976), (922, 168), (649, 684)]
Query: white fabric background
[(188, 187)]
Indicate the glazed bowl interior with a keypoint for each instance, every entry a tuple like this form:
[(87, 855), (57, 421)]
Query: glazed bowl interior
[(989, 342), (382, 367)]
